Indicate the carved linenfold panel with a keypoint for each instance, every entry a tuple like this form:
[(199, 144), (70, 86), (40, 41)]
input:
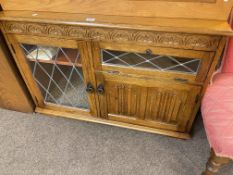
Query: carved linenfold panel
[(154, 38), (159, 105), (123, 100), (164, 106)]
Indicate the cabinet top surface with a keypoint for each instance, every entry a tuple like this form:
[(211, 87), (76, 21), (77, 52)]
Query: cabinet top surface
[(199, 26), (193, 9)]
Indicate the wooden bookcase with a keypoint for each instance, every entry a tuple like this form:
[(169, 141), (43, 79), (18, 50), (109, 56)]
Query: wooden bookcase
[(145, 72)]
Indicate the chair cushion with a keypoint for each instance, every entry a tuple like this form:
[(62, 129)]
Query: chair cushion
[(217, 113)]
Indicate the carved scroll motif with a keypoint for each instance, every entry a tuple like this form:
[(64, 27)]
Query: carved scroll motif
[(153, 38)]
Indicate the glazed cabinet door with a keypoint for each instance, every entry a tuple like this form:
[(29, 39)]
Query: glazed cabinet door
[(56, 71), (137, 86), (168, 63)]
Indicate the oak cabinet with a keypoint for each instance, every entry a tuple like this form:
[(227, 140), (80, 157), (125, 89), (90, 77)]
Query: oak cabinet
[(132, 72), (146, 86)]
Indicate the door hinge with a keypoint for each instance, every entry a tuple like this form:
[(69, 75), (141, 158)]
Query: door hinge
[(13, 49)]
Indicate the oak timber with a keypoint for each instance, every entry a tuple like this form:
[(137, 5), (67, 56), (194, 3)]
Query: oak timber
[(142, 98), (195, 9), (73, 115), (13, 92), (215, 163), (201, 26)]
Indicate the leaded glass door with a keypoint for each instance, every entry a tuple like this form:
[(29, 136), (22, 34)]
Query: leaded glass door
[(57, 73), (168, 63)]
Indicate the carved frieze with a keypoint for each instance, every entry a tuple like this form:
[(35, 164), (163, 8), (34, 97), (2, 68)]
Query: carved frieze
[(154, 38)]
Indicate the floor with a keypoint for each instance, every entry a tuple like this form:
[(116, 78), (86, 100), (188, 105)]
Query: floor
[(35, 144)]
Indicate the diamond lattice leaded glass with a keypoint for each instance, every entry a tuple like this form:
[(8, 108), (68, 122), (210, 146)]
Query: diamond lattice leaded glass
[(58, 73), (150, 61)]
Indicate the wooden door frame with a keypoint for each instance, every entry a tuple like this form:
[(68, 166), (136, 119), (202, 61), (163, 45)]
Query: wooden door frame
[(191, 99), (24, 70), (205, 57), (23, 66)]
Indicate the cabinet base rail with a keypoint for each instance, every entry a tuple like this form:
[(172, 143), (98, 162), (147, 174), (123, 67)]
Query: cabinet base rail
[(88, 118)]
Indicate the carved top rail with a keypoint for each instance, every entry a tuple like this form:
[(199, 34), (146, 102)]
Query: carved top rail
[(153, 38)]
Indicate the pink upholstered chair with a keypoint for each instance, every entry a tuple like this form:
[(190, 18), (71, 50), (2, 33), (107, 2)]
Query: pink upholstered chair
[(217, 113)]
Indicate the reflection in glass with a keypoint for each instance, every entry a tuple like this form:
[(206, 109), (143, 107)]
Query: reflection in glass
[(150, 61), (58, 74)]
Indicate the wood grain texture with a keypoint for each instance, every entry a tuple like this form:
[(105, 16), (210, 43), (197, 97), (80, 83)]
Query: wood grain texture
[(219, 10), (157, 101), (88, 73), (13, 92), (183, 25), (206, 1), (123, 99), (124, 96), (215, 62), (47, 41), (156, 104), (212, 68), (25, 70), (161, 39), (215, 163), (84, 117), (204, 57), (23, 64), (164, 105)]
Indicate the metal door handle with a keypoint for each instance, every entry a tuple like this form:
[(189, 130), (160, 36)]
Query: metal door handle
[(89, 88), (100, 89), (149, 52)]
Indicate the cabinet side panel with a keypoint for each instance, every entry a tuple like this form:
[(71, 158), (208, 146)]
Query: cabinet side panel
[(13, 92)]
